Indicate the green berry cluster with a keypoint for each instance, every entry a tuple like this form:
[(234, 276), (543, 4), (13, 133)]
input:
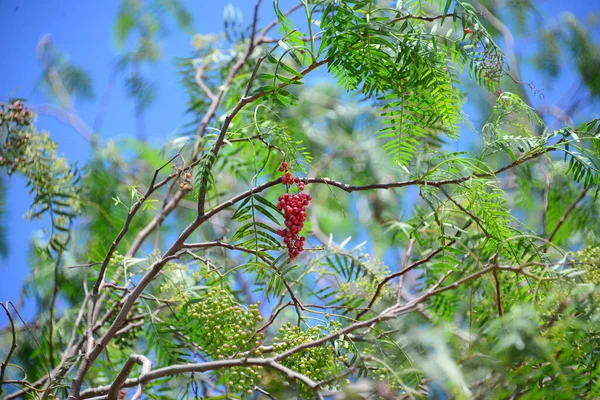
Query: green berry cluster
[(242, 379), (590, 259), (317, 363), (225, 330)]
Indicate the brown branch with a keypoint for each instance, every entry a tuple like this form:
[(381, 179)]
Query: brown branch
[(203, 367), (421, 18), (115, 387), (389, 313), (214, 107), (246, 99), (454, 285), (127, 304), (229, 246)]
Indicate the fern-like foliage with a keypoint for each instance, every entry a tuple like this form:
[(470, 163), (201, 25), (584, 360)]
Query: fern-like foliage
[(257, 216), (509, 127), (582, 149), (407, 66)]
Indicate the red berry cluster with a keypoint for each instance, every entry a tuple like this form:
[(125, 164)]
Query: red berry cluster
[(293, 207)]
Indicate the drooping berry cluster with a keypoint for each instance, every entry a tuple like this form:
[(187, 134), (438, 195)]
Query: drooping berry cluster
[(293, 207)]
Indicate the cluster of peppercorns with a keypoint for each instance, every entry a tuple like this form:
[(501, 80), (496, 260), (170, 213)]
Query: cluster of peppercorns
[(317, 363), (14, 120), (224, 330), (293, 207), (16, 112), (185, 178)]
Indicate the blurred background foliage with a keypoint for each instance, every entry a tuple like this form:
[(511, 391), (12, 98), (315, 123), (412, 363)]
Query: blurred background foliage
[(544, 346)]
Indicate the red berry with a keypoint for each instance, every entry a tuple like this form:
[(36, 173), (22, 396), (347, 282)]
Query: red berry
[(467, 30), (294, 212), (284, 165)]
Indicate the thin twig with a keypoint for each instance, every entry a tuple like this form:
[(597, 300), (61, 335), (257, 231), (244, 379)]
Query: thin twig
[(546, 201), (259, 253), (474, 217), (55, 290), (201, 84), (404, 271), (568, 211), (13, 346), (409, 250), (34, 338), (421, 18)]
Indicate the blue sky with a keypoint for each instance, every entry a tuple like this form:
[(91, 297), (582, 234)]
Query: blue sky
[(84, 30)]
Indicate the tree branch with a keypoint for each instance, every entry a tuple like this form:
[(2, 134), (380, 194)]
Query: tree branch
[(115, 387), (203, 367)]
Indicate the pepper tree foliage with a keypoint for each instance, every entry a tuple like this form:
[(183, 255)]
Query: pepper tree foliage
[(174, 262)]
